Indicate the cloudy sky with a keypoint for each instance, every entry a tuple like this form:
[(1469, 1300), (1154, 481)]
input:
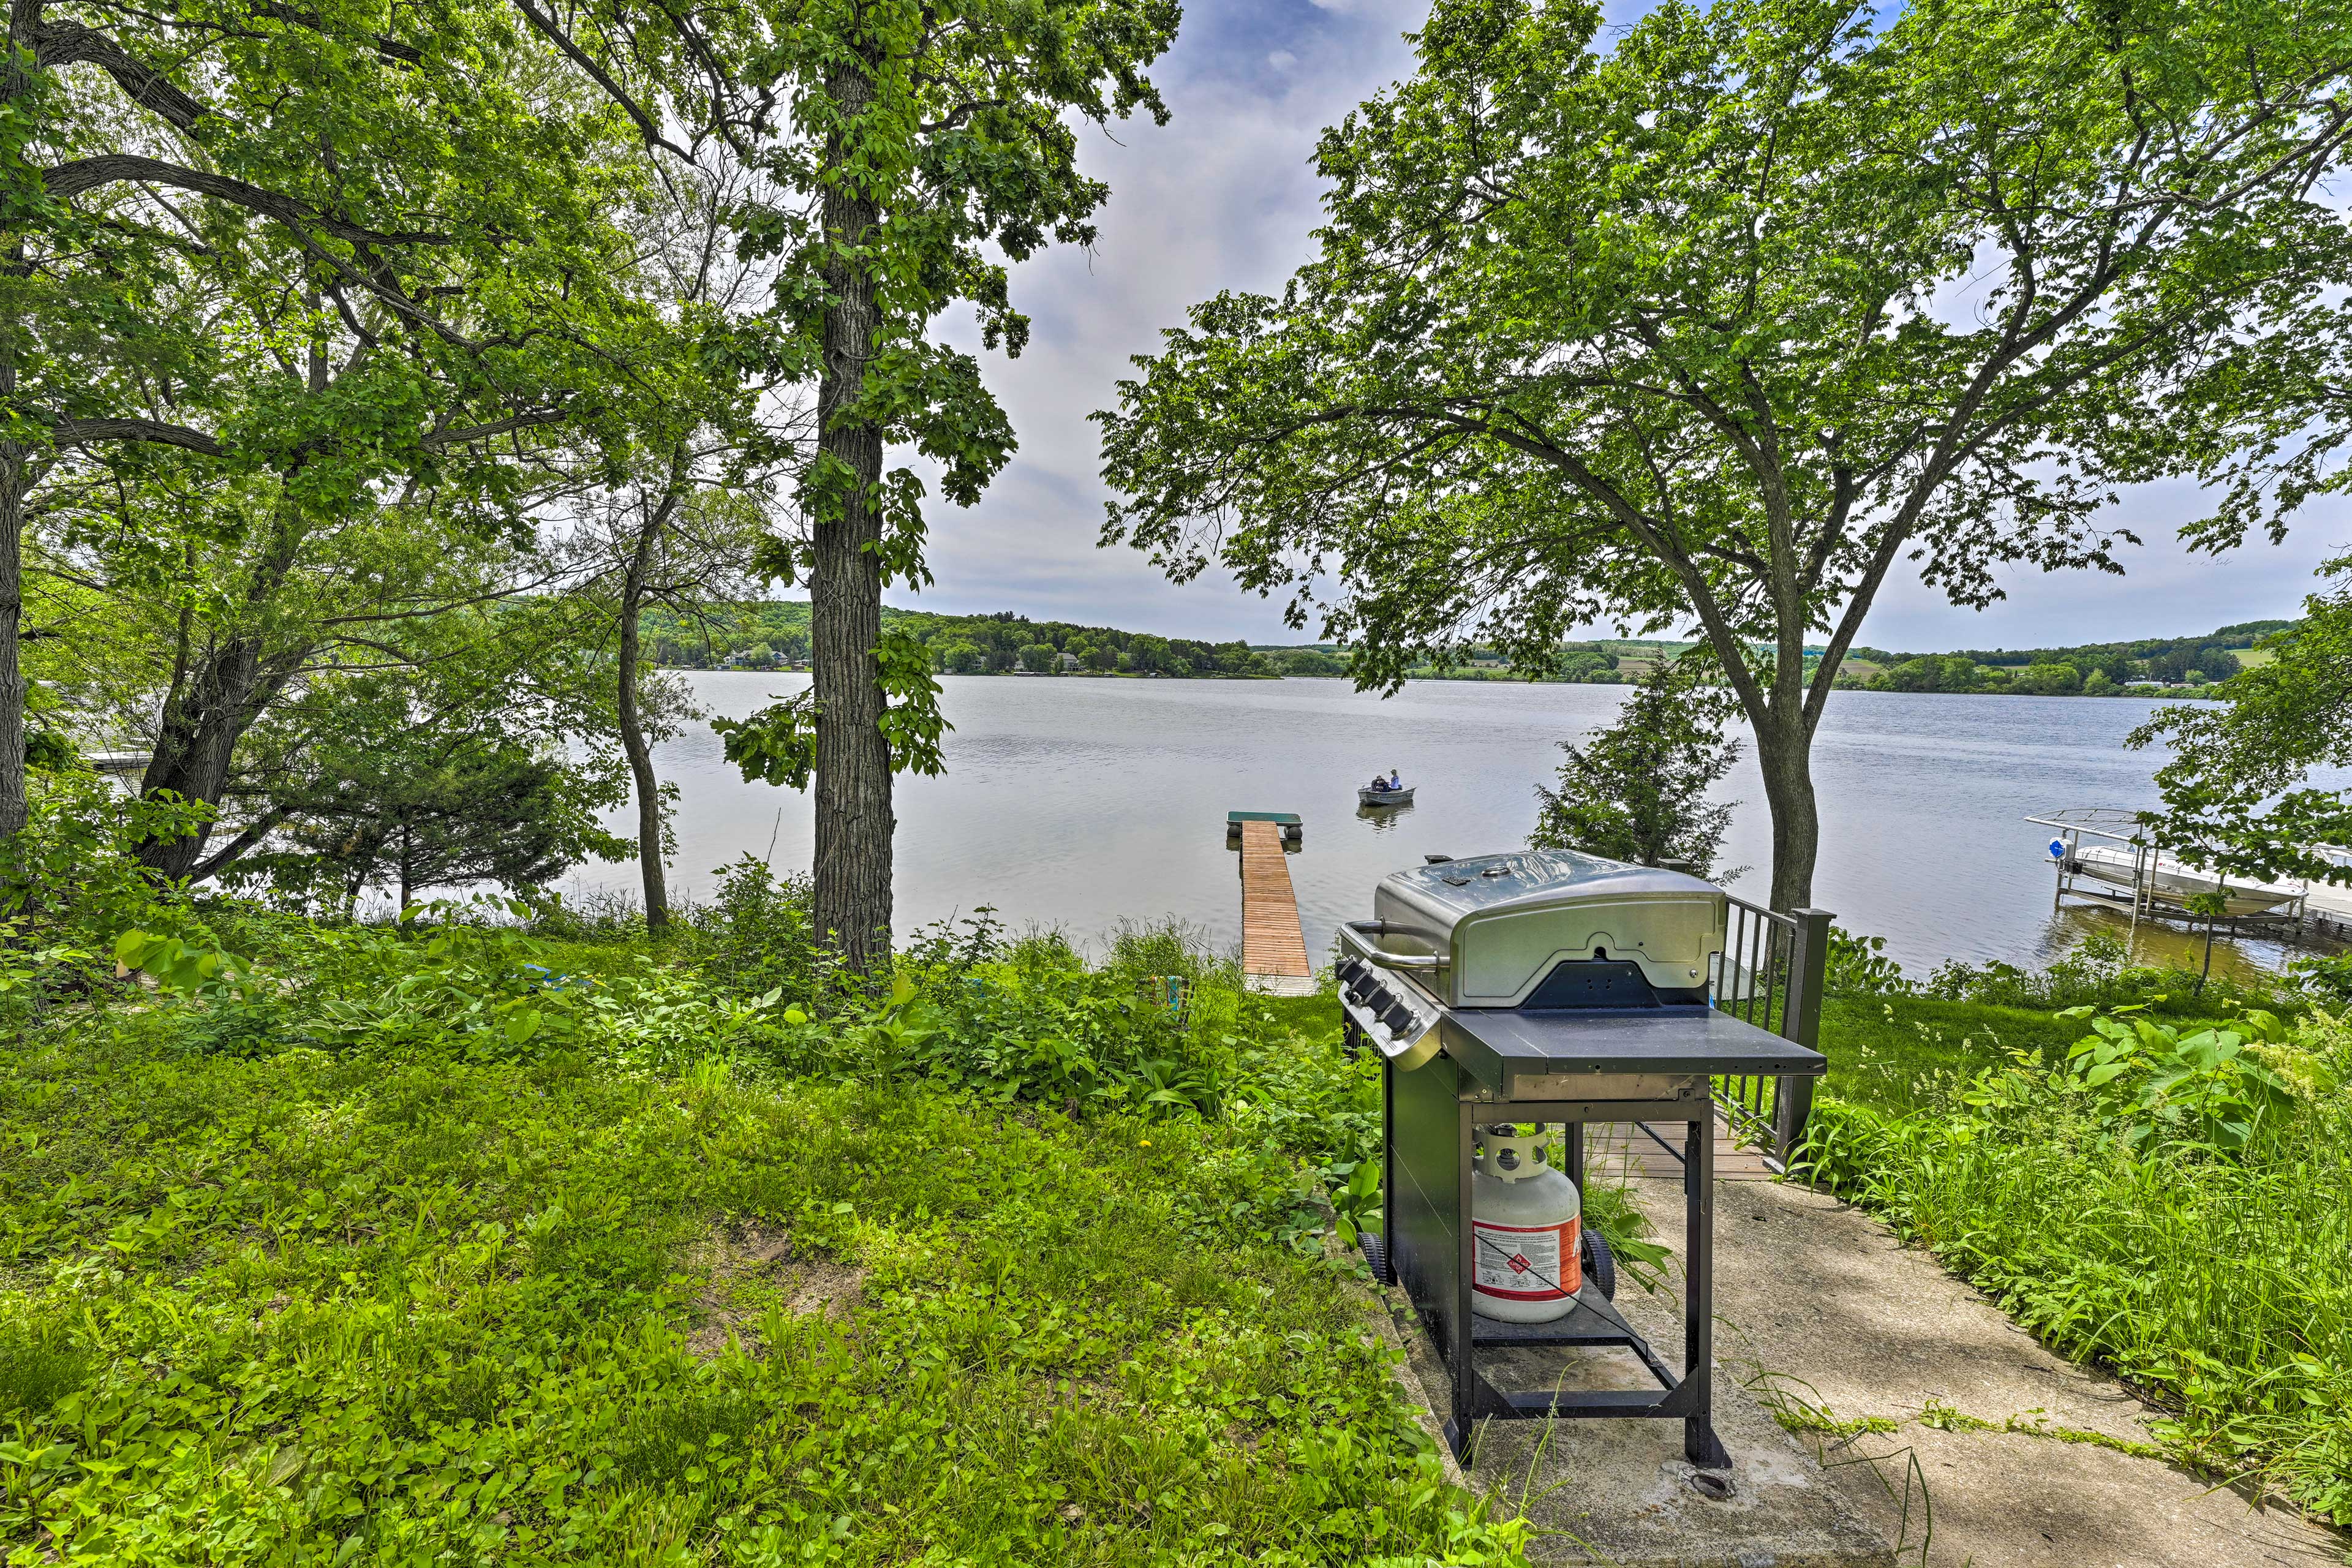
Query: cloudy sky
[(1222, 197)]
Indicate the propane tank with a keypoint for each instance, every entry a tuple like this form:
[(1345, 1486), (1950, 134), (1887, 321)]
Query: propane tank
[(1526, 1223)]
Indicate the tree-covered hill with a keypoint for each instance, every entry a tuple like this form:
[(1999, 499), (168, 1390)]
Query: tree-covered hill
[(773, 634), (2088, 669), (769, 634)]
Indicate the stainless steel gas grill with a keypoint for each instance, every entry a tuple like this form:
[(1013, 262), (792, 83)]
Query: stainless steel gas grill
[(1549, 987)]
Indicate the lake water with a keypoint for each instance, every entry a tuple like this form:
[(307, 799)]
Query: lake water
[(1080, 803)]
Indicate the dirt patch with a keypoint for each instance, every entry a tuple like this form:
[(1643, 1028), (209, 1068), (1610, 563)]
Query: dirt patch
[(749, 1268)]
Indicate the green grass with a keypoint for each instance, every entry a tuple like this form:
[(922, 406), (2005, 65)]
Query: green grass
[(1897, 1053), (2219, 1283), (301, 1306)]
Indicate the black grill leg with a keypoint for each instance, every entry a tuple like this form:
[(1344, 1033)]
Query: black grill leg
[(1462, 1363), (1702, 1447)]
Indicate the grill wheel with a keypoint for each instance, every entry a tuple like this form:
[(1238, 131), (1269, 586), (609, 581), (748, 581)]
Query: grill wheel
[(1600, 1264)]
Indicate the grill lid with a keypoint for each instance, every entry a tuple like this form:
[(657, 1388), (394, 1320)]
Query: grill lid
[(1500, 927), (1453, 889)]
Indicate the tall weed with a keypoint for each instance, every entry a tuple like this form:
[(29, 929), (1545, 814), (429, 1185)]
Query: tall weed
[(2098, 972), (2177, 1204)]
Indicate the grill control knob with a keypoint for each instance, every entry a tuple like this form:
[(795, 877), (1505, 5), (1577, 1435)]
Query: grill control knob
[(1380, 1000), (1398, 1018)]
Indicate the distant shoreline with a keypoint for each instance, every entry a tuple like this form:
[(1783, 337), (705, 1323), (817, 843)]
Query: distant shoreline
[(1615, 678)]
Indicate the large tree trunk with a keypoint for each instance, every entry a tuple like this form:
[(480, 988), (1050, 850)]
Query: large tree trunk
[(13, 467), (632, 734), (1784, 754), (854, 820), (205, 715), (196, 741)]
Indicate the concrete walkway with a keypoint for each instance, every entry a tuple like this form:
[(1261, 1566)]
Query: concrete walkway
[(1941, 1421)]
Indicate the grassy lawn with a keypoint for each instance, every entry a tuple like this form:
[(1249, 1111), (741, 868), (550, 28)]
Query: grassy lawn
[(654, 1287), (2185, 1218), (1896, 1053)]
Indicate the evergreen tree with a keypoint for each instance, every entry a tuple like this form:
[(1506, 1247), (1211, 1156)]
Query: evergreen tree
[(1637, 790)]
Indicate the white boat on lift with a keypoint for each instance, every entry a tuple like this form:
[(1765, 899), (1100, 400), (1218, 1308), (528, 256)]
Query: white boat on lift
[(2108, 845), (2171, 881)]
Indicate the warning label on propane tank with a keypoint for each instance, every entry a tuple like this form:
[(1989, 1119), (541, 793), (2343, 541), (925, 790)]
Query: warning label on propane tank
[(1527, 1263)]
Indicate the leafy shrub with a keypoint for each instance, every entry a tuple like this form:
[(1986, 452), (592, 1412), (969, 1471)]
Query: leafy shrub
[(73, 874), (2149, 1085), (2175, 1201), (758, 933), (1858, 967), (2098, 972), (2327, 978)]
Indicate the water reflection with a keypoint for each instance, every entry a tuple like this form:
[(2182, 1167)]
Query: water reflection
[(1383, 818)]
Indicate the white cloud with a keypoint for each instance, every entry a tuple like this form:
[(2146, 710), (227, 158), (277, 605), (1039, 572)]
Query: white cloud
[(1223, 198)]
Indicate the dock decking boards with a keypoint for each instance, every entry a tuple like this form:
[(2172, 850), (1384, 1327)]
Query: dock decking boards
[(1274, 950), (1620, 1151)]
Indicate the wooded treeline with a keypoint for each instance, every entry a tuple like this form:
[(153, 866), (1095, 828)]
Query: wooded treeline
[(771, 633), (369, 372), (2093, 669)]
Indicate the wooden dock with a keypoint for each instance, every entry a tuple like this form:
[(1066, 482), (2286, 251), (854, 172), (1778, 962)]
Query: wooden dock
[(1274, 950), (1620, 1151)]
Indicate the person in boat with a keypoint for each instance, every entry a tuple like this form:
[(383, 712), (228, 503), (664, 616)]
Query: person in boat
[(1396, 780)]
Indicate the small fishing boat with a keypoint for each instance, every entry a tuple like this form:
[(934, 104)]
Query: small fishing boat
[(1369, 797)]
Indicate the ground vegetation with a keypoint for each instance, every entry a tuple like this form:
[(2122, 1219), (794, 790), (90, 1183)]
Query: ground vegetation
[(2145, 1178), (460, 1237)]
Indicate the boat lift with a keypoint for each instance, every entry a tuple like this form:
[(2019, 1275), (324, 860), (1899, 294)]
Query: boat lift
[(2152, 883)]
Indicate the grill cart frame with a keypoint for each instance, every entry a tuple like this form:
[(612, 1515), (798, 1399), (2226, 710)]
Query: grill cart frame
[(1449, 1069)]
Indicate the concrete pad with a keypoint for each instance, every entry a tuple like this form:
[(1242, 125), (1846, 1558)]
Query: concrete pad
[(1620, 1492), (2002, 1455), (1798, 1267), (1992, 1500)]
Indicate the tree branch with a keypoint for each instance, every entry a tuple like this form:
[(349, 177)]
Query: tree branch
[(114, 168)]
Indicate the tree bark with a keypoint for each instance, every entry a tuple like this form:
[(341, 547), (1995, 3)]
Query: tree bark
[(1784, 755), (854, 820), (15, 811), (227, 688), (632, 734), (16, 464), (194, 743)]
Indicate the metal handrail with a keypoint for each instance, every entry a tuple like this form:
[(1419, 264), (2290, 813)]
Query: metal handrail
[(1770, 974)]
